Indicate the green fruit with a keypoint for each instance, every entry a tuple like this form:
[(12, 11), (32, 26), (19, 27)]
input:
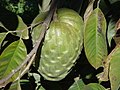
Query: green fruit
[(71, 17), (61, 47)]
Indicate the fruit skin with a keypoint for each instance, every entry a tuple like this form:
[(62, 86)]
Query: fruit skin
[(61, 47), (71, 17)]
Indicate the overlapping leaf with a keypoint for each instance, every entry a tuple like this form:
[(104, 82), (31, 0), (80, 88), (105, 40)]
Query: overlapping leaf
[(2, 37), (95, 38), (111, 31), (45, 5), (114, 71), (11, 58), (15, 86), (77, 85), (22, 30), (37, 29), (93, 86)]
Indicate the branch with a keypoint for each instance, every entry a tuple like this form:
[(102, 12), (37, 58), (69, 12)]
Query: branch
[(33, 52)]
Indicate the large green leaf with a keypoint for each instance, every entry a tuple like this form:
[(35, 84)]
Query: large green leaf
[(95, 38), (11, 58), (22, 30), (77, 85), (93, 86), (111, 31), (114, 71)]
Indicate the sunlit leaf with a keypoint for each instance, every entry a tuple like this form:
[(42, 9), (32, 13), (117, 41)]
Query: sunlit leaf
[(45, 5), (37, 29), (11, 58), (93, 86), (15, 85), (88, 10), (22, 30), (41, 88), (2, 37), (114, 71), (95, 38), (77, 85)]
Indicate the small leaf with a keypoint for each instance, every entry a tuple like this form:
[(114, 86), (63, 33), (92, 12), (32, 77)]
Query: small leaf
[(2, 37), (111, 31), (77, 85), (114, 70), (11, 58), (45, 5), (15, 85), (117, 35), (22, 30), (88, 10), (1, 25), (37, 30), (95, 38), (93, 86), (41, 88)]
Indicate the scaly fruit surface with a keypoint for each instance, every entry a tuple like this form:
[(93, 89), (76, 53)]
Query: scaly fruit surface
[(61, 48)]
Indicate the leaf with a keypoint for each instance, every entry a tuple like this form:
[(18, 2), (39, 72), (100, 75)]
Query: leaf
[(113, 1), (22, 30), (1, 25), (25, 84), (93, 86), (77, 85), (88, 10), (45, 5), (117, 35), (114, 70), (111, 31), (41, 88), (37, 30), (11, 58), (2, 37), (95, 38), (15, 85)]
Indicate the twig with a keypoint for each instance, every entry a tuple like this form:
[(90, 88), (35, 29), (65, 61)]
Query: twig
[(45, 26)]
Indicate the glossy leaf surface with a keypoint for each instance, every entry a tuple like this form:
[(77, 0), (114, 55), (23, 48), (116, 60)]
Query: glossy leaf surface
[(93, 86), (77, 85), (95, 38), (11, 58), (114, 71)]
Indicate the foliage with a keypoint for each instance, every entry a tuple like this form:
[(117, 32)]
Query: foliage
[(59, 45)]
